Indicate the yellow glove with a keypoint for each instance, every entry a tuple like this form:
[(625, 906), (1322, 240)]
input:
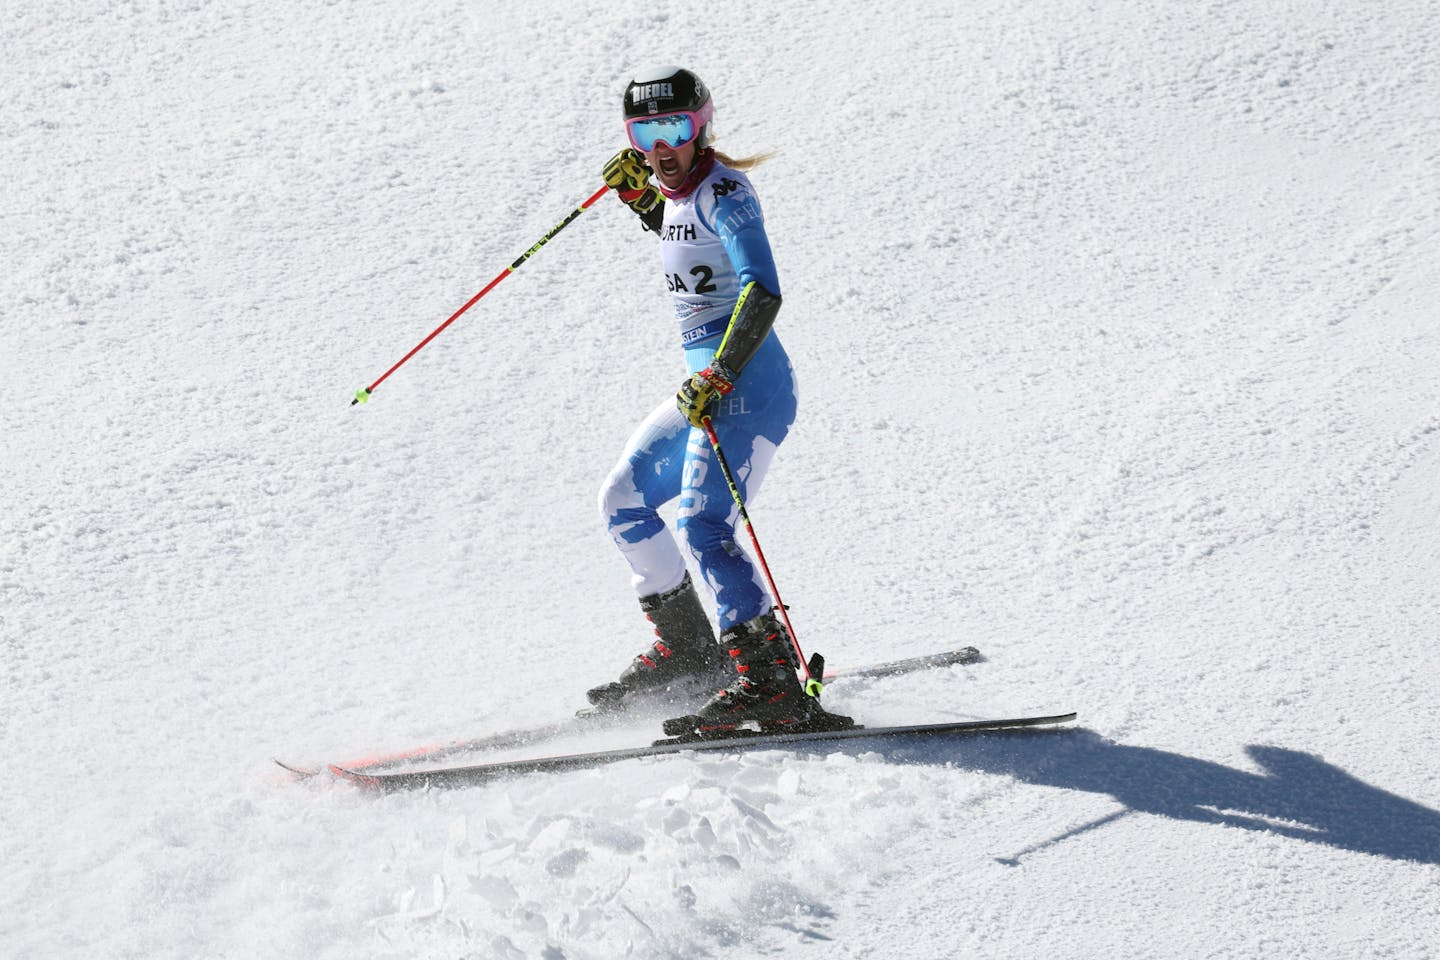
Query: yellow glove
[(628, 176), (697, 395)]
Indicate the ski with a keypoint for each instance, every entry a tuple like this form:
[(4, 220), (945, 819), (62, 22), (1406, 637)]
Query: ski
[(894, 668), (740, 740), (499, 740), (593, 719)]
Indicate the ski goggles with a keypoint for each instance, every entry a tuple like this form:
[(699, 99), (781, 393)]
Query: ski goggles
[(672, 129)]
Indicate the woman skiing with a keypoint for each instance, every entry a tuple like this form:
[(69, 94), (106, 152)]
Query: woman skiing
[(717, 263)]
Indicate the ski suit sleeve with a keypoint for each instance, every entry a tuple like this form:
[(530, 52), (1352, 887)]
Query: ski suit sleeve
[(741, 228)]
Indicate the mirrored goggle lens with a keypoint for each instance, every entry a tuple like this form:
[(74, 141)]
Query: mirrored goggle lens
[(673, 129)]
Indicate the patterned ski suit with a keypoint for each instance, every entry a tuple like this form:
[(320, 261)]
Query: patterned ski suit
[(712, 243)]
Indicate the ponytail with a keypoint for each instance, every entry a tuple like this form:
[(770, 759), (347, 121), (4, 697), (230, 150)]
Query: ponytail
[(744, 164)]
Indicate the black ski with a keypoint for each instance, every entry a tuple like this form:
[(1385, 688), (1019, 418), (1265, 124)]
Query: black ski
[(470, 774), (909, 665), (592, 719)]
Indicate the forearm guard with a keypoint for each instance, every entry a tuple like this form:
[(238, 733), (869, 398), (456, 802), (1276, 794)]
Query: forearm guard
[(750, 324)]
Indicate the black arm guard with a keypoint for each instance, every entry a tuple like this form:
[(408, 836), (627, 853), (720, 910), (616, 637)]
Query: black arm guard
[(654, 217), (749, 326)]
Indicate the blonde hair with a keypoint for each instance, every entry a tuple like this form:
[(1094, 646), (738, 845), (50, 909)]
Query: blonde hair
[(744, 164)]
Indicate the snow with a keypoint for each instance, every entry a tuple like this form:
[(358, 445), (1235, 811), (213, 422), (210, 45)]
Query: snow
[(1116, 333)]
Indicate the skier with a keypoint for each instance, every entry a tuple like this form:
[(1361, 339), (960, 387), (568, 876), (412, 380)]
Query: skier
[(716, 259)]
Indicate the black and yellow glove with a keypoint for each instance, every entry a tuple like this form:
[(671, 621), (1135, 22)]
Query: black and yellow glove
[(696, 398), (628, 176)]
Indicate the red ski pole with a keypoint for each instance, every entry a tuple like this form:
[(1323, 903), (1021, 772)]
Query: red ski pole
[(363, 395), (812, 684)]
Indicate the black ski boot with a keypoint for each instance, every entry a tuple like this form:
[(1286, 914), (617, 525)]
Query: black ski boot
[(765, 691), (683, 664)]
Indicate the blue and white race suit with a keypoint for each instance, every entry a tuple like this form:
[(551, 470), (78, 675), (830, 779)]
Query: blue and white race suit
[(712, 243)]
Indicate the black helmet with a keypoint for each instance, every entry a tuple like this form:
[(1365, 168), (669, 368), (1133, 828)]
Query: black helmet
[(670, 90)]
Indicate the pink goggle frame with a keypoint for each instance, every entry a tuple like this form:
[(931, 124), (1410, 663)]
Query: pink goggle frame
[(672, 129)]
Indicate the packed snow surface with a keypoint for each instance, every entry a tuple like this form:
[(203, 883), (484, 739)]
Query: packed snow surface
[(1116, 329)]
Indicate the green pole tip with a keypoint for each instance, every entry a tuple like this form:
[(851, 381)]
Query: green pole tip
[(813, 688), (362, 395)]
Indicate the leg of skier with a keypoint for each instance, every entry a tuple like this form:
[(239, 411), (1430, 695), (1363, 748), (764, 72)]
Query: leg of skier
[(683, 662), (750, 424), (706, 517)]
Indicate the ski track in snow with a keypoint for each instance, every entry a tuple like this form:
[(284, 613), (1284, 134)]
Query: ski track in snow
[(1115, 328)]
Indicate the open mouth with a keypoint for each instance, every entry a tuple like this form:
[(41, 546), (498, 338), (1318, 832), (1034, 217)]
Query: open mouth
[(669, 167)]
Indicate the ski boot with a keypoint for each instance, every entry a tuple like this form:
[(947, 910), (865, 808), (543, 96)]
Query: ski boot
[(765, 692), (683, 664)]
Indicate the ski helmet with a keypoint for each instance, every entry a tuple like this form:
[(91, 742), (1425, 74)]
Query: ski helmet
[(667, 89)]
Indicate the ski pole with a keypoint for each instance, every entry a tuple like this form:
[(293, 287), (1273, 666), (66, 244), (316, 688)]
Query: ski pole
[(363, 395), (812, 683)]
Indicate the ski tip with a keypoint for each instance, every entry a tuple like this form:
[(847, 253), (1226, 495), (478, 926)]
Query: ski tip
[(1048, 721)]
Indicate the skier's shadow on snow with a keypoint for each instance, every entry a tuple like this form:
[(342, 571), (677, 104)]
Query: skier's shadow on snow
[(1296, 795)]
